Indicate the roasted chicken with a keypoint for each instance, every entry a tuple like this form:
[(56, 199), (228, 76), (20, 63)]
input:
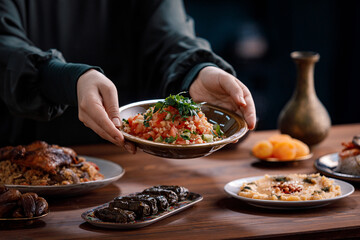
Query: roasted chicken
[(39, 155)]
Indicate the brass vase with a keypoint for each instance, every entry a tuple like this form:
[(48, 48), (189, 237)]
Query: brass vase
[(304, 117)]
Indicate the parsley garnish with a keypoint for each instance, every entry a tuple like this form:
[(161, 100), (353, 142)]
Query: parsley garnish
[(170, 139), (186, 106)]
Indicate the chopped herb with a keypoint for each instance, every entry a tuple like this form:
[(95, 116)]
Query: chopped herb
[(170, 139), (281, 179), (150, 138), (146, 123), (277, 196), (147, 118), (186, 137), (125, 121), (245, 188), (325, 189), (159, 139), (218, 130), (308, 180)]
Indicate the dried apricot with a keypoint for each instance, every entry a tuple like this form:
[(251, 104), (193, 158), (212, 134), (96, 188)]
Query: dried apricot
[(301, 148), (262, 149), (274, 139), (285, 150)]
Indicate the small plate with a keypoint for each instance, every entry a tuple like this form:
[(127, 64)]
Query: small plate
[(110, 170), (232, 188), (180, 206), (233, 125), (24, 218), (327, 165), (306, 157)]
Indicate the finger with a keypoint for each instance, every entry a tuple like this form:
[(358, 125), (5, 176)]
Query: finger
[(249, 110), (118, 140), (234, 90), (111, 104), (100, 121), (100, 131), (128, 146)]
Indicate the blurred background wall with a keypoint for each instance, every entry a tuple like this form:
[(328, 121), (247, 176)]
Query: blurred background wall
[(257, 37)]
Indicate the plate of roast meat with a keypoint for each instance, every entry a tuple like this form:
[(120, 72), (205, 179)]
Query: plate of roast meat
[(140, 209), (49, 169)]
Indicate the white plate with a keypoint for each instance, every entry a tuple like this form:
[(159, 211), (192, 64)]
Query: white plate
[(327, 165), (110, 170), (232, 188)]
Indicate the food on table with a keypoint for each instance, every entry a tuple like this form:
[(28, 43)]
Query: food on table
[(284, 150), (140, 208), (43, 164), (124, 209), (170, 195), (150, 201), (115, 215), (263, 149), (349, 161), (175, 120), (13, 204), (280, 146), (181, 192), (276, 138), (292, 187)]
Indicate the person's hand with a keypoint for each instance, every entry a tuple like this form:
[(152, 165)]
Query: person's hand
[(99, 108), (215, 86)]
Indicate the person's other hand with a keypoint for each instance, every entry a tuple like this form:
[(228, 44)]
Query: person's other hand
[(215, 86), (99, 108)]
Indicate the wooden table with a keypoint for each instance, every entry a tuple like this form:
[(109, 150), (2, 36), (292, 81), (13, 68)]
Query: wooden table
[(217, 216)]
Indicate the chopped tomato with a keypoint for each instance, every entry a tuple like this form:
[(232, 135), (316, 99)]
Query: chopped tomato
[(173, 131), (180, 141)]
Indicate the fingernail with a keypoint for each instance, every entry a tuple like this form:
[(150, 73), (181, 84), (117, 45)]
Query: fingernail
[(242, 101), (116, 122)]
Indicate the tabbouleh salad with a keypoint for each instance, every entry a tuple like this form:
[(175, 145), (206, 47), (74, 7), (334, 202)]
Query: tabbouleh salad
[(175, 120)]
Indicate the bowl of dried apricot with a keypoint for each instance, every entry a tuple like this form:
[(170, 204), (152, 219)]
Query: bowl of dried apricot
[(281, 148)]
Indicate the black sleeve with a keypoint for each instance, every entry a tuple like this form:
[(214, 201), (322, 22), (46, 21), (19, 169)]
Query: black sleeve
[(33, 83), (175, 53)]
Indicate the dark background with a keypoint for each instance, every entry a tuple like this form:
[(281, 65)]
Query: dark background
[(257, 37)]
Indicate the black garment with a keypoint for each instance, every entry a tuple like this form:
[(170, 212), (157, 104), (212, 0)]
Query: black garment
[(146, 48)]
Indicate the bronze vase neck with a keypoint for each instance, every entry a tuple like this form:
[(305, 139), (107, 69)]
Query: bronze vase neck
[(305, 65)]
